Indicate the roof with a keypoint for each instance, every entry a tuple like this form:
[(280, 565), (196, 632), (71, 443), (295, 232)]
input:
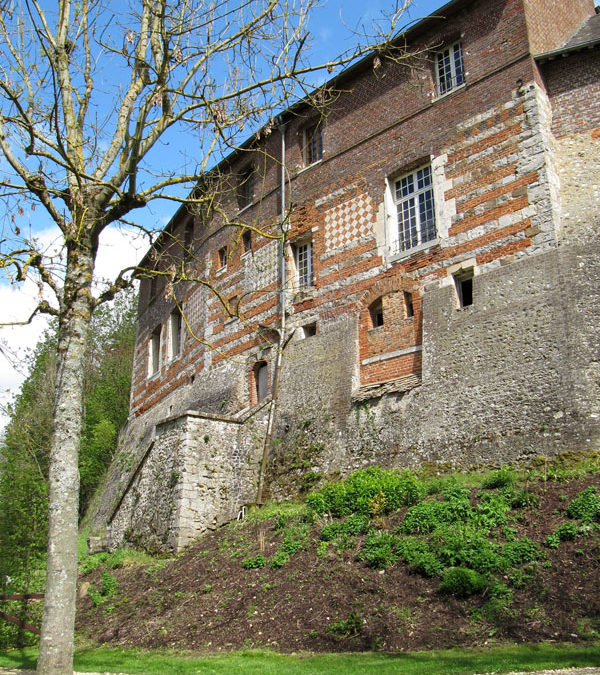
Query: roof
[(586, 37)]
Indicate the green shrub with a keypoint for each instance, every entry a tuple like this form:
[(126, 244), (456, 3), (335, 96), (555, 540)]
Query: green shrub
[(492, 510), (345, 628), (522, 551), (353, 526), (500, 478), (467, 547), (586, 506), (565, 532), (279, 559), (417, 553), (524, 499), (109, 584), (255, 562), (92, 562), (424, 517), (462, 582), (369, 492), (379, 550)]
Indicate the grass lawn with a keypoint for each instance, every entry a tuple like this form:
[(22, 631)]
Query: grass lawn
[(449, 662)]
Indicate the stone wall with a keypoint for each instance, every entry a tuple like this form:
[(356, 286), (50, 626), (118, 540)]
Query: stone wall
[(512, 376), (196, 473)]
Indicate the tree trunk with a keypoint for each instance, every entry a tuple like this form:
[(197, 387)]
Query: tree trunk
[(58, 621)]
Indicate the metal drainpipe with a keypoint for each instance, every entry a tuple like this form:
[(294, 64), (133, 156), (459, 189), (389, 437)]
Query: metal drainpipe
[(282, 338)]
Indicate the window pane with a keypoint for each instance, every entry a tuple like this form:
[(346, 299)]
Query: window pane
[(304, 264), (415, 209)]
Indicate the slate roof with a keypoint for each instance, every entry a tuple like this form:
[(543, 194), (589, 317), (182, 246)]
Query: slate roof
[(586, 37)]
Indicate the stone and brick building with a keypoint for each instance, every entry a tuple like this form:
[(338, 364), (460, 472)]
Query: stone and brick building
[(435, 293)]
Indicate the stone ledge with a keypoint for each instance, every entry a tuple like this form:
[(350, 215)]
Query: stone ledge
[(379, 389)]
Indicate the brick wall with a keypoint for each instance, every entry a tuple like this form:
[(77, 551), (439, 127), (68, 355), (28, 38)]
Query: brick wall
[(551, 23), (573, 90)]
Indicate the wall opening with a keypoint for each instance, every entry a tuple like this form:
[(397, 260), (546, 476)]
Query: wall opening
[(175, 324), (408, 305), (463, 284), (376, 313), (261, 380), (154, 352)]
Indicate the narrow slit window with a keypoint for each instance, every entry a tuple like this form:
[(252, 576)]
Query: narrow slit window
[(313, 145), (175, 324), (247, 241), (408, 304), (261, 380)]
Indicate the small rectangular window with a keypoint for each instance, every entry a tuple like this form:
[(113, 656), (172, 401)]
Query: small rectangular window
[(222, 257), (247, 241), (313, 144), (245, 190), (175, 325), (450, 70), (308, 330), (463, 284), (154, 352), (376, 313), (303, 257)]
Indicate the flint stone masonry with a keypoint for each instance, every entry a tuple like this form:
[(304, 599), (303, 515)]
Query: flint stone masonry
[(512, 376), (200, 471)]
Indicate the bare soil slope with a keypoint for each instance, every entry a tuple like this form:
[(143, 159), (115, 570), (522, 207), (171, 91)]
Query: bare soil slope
[(322, 598)]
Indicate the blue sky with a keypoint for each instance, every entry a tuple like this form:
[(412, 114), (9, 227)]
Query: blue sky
[(331, 25)]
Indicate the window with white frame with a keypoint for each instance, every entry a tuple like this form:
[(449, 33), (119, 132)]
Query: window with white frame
[(303, 258), (449, 69), (415, 210), (175, 324), (154, 352)]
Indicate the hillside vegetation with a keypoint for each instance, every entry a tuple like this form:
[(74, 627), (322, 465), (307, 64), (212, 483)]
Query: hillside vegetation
[(384, 560)]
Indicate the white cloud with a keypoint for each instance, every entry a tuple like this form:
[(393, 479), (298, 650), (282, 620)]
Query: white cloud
[(119, 248)]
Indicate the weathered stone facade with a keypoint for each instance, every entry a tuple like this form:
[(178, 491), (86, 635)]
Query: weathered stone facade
[(457, 326)]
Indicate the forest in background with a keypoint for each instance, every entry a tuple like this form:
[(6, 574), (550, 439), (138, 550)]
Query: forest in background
[(25, 447)]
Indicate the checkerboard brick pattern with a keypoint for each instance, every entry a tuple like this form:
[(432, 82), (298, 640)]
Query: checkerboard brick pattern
[(348, 222)]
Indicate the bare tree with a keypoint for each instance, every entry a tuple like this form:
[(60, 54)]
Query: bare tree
[(87, 95)]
